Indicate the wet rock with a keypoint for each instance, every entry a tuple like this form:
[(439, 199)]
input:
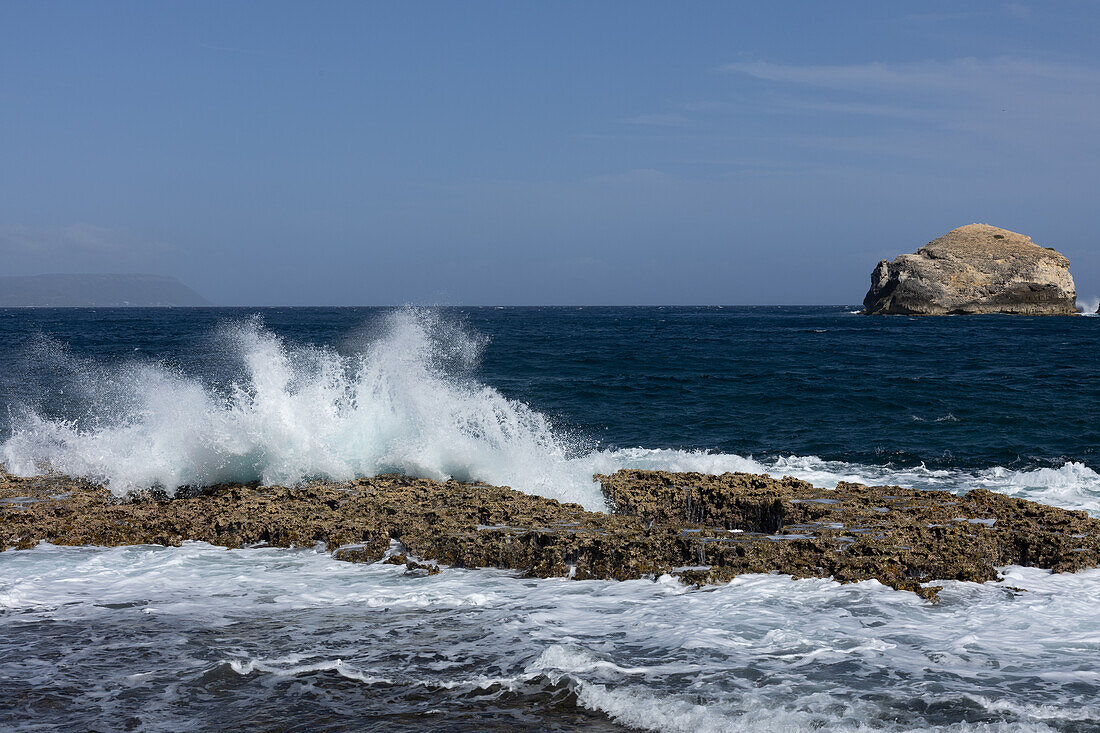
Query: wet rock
[(977, 268), (412, 567), (700, 528)]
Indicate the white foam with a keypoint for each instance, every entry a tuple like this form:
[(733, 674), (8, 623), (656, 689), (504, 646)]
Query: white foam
[(762, 653), (399, 405), (1072, 485), (403, 402), (642, 710), (346, 671)]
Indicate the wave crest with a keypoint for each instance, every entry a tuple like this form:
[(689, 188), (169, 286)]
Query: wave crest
[(401, 401), (399, 405)]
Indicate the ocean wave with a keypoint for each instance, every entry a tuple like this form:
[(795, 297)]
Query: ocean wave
[(1072, 485), (347, 671), (400, 405), (404, 402)]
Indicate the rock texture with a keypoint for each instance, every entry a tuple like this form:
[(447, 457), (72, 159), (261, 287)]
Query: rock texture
[(700, 528), (977, 268)]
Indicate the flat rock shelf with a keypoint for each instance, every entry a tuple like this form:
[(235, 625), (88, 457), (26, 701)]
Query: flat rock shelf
[(704, 529)]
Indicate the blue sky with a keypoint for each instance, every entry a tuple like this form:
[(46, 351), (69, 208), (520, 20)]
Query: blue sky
[(554, 153)]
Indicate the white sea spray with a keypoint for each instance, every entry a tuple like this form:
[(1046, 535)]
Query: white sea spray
[(403, 400), (400, 404)]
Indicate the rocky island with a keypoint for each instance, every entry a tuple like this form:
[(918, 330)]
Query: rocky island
[(700, 528), (977, 268)]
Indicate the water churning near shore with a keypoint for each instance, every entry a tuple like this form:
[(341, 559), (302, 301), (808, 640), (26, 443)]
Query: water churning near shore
[(402, 398), (402, 403), (299, 636)]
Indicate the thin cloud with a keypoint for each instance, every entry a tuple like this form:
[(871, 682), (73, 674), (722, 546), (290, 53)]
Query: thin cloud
[(939, 17), (79, 244), (671, 119), (859, 108), (1019, 112), (81, 237), (1018, 11), (1026, 103), (955, 74), (704, 105)]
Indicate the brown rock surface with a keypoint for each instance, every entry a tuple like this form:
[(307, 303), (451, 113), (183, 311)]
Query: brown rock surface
[(701, 528), (977, 268)]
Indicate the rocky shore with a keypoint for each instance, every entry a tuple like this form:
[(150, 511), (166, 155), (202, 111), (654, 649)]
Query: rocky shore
[(700, 528)]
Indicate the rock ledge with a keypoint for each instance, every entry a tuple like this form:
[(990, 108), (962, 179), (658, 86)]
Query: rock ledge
[(700, 528)]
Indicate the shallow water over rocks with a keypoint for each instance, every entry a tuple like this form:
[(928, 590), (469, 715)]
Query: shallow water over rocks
[(197, 637)]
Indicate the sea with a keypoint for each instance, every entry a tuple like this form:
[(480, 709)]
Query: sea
[(203, 638)]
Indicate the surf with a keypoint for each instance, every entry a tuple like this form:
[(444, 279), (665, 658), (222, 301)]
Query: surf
[(401, 397)]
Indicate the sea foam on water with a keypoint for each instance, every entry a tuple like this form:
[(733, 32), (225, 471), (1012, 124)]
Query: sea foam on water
[(403, 401), (763, 652)]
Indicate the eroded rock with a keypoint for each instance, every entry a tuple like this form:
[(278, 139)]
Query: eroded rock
[(700, 528), (977, 268)]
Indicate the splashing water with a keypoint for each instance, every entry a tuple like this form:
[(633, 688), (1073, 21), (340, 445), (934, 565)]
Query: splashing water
[(405, 402), (397, 406)]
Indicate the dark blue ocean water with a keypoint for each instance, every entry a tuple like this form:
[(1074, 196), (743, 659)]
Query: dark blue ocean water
[(966, 391)]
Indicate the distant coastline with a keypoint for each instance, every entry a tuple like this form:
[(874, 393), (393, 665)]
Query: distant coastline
[(96, 291)]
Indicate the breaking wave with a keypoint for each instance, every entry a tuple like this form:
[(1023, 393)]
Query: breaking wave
[(403, 402)]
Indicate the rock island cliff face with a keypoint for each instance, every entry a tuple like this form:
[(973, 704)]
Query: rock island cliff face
[(977, 268)]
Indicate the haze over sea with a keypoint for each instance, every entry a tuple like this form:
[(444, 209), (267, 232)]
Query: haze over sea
[(539, 399)]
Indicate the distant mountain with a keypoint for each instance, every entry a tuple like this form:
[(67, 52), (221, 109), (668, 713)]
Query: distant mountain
[(102, 291)]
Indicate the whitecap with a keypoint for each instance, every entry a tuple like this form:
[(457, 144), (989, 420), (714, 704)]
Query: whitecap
[(404, 402)]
